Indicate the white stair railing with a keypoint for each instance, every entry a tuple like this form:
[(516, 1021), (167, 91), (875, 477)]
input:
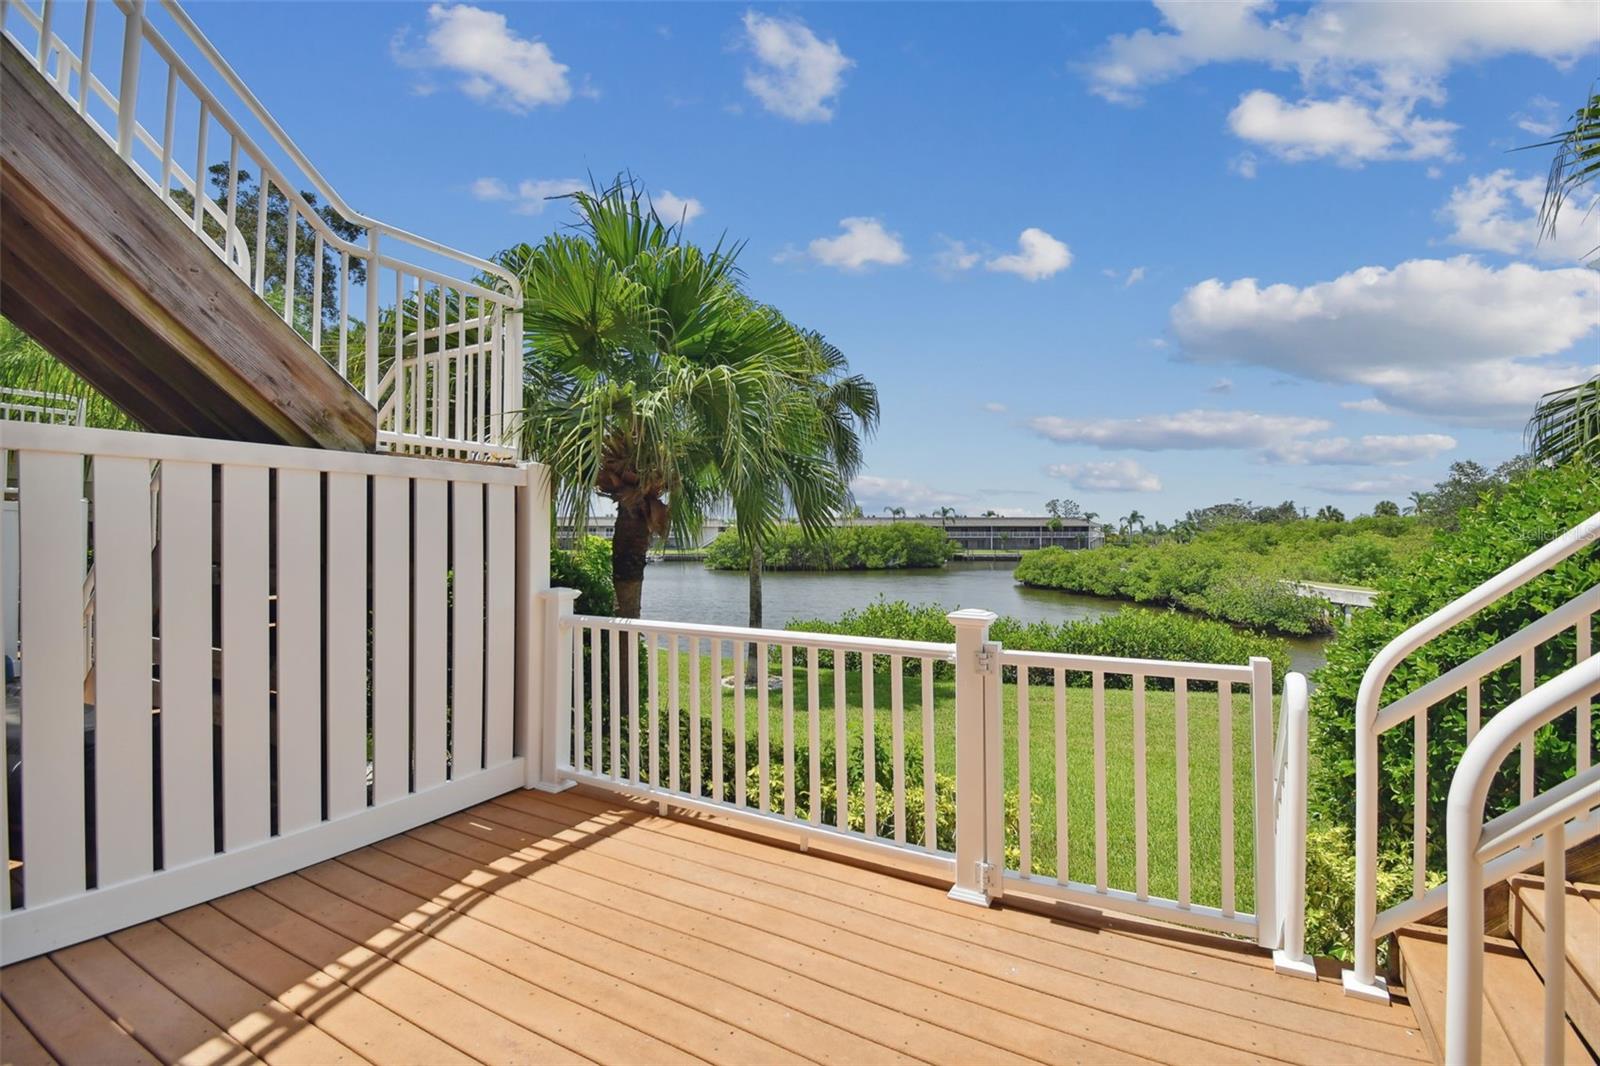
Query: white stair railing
[(1373, 719), (1480, 853), (460, 374)]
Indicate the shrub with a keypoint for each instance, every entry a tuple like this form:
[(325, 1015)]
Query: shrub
[(587, 568), (897, 545), (1129, 634), (1236, 571)]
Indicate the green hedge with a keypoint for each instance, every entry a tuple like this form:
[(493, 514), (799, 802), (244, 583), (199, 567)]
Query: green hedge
[(587, 568), (1237, 572), (1137, 634), (897, 545)]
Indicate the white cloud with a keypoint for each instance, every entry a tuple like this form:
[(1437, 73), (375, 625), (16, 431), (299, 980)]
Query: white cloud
[(675, 209), (1371, 405), (1113, 475), (1244, 164), (1364, 67), (955, 256), (863, 243), (797, 75), (1195, 429), (499, 66), (1452, 338), (1038, 256), (995, 408), (1345, 130), (1540, 119), (1399, 484), (1371, 450), (1221, 387), (1135, 276), (530, 197), (875, 493), (1499, 212)]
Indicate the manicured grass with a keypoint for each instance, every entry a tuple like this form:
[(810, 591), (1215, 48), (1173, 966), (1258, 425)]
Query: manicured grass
[(1204, 763)]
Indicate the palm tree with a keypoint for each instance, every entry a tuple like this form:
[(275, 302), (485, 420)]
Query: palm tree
[(26, 365), (650, 379), (945, 514), (895, 512), (1565, 426)]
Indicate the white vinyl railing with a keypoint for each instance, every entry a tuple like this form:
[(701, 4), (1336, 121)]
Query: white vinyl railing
[(1536, 830), (842, 740), (436, 349), (294, 652), (1373, 719), (49, 408)]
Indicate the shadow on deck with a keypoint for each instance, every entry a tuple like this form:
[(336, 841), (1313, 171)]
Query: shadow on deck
[(577, 928)]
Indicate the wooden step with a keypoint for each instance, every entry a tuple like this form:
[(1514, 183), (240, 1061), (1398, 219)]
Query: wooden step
[(1513, 1015), (1528, 903)]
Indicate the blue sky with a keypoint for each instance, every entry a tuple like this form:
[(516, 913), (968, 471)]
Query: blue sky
[(1034, 226)]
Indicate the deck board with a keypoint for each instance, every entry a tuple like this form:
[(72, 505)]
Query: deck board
[(578, 927)]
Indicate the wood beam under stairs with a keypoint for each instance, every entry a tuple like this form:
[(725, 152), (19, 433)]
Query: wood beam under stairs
[(104, 275)]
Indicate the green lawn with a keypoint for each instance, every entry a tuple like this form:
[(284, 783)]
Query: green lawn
[(1161, 768)]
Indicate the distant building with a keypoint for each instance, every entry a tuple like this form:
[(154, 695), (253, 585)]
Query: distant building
[(986, 535)]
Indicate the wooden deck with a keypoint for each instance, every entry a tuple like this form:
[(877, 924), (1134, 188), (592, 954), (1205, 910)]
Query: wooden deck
[(575, 927)]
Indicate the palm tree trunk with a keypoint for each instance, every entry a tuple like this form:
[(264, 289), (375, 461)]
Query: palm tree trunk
[(630, 543), (757, 557)]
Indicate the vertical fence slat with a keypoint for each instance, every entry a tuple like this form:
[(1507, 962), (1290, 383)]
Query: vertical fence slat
[(1099, 693), (653, 658), (499, 668), (1180, 712), (299, 649), (1141, 799), (716, 721), (1525, 771), (596, 654), (1024, 781), (1225, 779), (466, 640), (391, 638), (764, 728), (635, 751), (1585, 734), (53, 549), (841, 745), (1419, 802), (673, 712), (246, 733), (1063, 823), (813, 734), (869, 749), (788, 729), (737, 672), (346, 628), (186, 795), (1474, 706), (695, 682), (578, 696), (614, 704), (930, 763), (10, 604), (124, 789), (897, 708), (430, 561)]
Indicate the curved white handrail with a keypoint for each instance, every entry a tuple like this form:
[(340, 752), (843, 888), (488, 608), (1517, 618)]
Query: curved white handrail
[(1362, 979), (1472, 844)]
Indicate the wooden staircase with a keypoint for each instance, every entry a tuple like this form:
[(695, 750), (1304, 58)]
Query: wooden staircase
[(1513, 984)]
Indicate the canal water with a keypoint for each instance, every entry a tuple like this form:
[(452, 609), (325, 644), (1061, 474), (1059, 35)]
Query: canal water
[(688, 592)]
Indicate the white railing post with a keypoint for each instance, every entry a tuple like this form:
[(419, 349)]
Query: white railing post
[(1290, 956), (533, 580), (978, 857), (370, 388), (555, 679), (128, 90), (1266, 888)]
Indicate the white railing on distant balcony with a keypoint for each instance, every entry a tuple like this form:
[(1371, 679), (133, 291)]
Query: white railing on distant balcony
[(841, 740), (441, 363), (51, 408), (1536, 642), (1536, 830)]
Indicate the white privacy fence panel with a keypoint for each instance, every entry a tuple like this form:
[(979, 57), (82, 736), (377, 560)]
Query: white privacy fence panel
[(238, 659), (431, 336)]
